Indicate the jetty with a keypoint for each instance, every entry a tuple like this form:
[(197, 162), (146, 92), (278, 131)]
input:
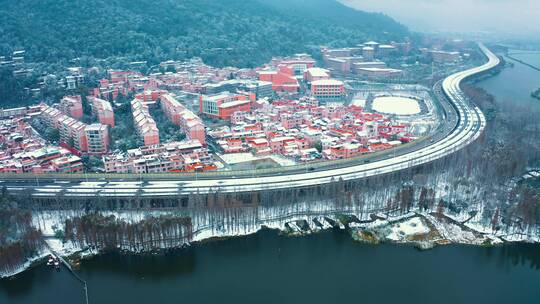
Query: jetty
[(524, 63), (70, 269)]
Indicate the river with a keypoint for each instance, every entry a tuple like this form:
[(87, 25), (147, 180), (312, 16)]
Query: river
[(516, 83), (327, 267)]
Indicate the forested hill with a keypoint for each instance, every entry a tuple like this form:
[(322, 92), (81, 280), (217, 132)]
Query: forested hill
[(222, 32)]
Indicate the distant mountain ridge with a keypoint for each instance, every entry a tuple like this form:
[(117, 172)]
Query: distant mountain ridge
[(227, 32)]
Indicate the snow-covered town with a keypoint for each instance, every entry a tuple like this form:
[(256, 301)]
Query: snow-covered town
[(269, 151), (193, 117)]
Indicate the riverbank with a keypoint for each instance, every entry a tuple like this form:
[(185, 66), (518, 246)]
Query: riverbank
[(425, 230), (470, 219), (32, 262), (268, 267)]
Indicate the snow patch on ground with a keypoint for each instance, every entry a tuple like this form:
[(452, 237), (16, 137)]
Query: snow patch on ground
[(41, 255), (231, 222), (358, 102), (396, 105), (61, 248), (404, 230), (237, 158)]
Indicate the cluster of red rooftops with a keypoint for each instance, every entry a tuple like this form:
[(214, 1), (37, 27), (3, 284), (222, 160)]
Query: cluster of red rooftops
[(288, 107), (305, 131), (24, 150)]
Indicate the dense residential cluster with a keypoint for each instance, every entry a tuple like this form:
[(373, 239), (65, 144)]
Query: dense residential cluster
[(305, 131), (289, 107), (186, 156), (74, 134), (23, 150)]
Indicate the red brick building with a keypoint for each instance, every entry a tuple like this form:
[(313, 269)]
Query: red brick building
[(223, 105), (186, 119), (72, 106), (282, 80), (328, 89), (103, 110)]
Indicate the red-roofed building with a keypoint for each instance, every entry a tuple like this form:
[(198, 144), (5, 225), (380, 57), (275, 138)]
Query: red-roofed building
[(181, 116), (122, 76), (103, 110), (150, 95), (72, 106), (223, 105), (282, 80), (328, 89)]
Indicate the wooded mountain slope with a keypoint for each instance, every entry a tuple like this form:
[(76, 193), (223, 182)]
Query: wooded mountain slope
[(222, 32)]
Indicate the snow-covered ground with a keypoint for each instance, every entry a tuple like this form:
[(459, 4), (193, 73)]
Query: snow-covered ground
[(25, 265), (409, 228), (237, 158), (470, 224), (244, 221), (396, 105), (358, 102)]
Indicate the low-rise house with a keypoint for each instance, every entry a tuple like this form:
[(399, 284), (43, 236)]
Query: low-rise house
[(184, 156)]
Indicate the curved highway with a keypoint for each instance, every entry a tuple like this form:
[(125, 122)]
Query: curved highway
[(468, 127)]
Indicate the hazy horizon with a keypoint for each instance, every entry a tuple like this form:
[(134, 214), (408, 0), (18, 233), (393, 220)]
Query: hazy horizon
[(520, 17)]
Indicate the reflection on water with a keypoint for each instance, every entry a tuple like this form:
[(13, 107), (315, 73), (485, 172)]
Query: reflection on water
[(530, 57), (322, 268), (172, 263), (516, 84)]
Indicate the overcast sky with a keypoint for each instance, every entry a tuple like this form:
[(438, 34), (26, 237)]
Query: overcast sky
[(503, 16)]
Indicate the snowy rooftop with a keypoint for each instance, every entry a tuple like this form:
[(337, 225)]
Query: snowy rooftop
[(318, 72), (380, 70), (327, 82), (233, 103), (396, 105)]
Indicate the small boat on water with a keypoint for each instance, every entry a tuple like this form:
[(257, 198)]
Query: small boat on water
[(53, 261), (50, 261)]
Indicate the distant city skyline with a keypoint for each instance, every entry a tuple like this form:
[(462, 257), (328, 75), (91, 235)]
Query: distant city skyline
[(502, 16)]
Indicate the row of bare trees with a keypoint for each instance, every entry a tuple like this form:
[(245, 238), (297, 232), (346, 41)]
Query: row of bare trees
[(19, 240), (109, 232), (477, 174)]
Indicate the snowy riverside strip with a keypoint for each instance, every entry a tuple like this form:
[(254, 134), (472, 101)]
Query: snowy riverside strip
[(471, 123)]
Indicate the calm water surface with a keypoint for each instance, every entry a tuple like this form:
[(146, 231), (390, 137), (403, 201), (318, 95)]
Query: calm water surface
[(267, 268), (324, 268), (516, 84)]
